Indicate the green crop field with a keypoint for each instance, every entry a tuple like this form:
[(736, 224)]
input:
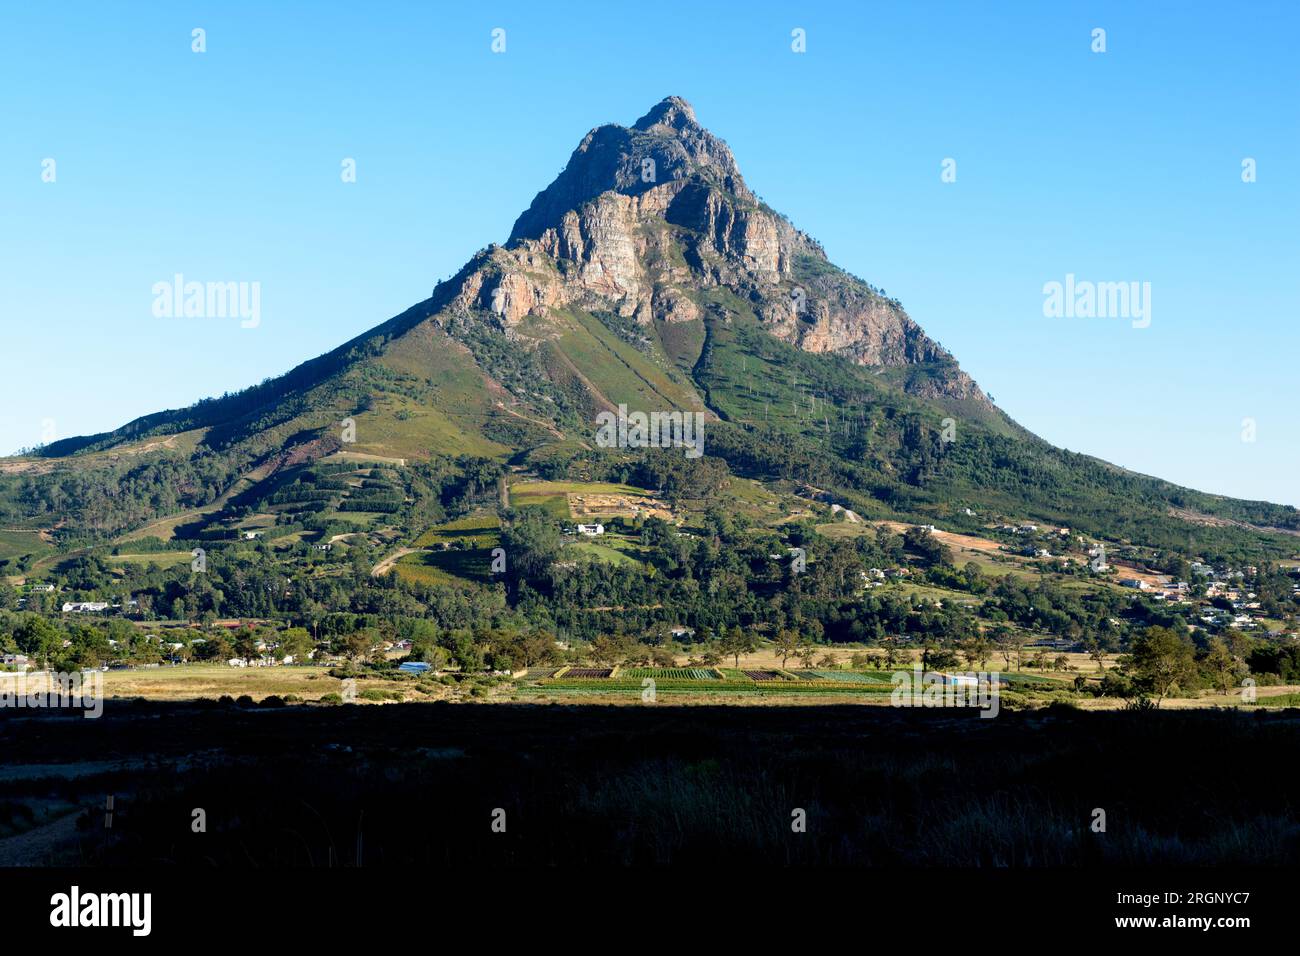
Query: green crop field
[(1281, 700), (603, 551), (164, 559), (454, 566), (576, 487), (554, 495), (853, 677), (707, 680), (529, 496), (617, 685), (17, 544), (672, 673), (480, 530)]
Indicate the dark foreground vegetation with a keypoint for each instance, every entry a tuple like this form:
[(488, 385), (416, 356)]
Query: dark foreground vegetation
[(419, 784)]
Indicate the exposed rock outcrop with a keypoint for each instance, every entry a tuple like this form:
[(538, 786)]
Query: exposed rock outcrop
[(645, 219)]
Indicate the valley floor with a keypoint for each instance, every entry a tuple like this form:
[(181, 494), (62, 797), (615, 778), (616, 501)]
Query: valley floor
[(209, 682)]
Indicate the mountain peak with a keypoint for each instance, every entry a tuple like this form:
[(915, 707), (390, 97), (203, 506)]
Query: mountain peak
[(664, 145), (672, 111), (650, 221)]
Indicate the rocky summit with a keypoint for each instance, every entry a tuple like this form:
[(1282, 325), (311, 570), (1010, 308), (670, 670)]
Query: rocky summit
[(645, 219)]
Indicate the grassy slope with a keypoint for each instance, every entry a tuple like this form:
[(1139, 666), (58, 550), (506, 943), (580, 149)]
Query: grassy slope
[(413, 392), (618, 372)]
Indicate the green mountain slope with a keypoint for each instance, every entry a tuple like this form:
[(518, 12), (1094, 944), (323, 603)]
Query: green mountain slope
[(647, 275)]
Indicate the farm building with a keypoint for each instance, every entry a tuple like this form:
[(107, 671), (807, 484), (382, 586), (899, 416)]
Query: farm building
[(591, 530)]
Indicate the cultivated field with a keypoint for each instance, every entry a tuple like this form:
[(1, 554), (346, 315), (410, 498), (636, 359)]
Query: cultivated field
[(580, 500), (760, 680)]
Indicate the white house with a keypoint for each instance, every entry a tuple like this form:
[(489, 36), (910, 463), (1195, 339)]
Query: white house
[(591, 530), (83, 607)]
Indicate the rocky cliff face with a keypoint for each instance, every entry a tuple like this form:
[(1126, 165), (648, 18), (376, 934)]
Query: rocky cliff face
[(645, 219)]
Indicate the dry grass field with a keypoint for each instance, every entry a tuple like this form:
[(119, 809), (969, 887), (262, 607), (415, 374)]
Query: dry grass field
[(1078, 663), (210, 681)]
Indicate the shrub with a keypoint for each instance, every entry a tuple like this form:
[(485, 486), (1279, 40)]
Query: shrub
[(1062, 706), (1012, 700), (1140, 704), (1116, 685), (379, 694)]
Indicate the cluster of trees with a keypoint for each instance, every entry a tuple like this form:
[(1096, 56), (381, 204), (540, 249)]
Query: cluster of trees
[(86, 504), (1166, 660), (84, 644), (724, 575)]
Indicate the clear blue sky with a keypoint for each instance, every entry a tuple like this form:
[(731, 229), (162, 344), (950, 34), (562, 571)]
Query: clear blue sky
[(225, 166)]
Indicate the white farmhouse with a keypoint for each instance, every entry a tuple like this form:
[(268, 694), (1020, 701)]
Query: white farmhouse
[(84, 607)]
